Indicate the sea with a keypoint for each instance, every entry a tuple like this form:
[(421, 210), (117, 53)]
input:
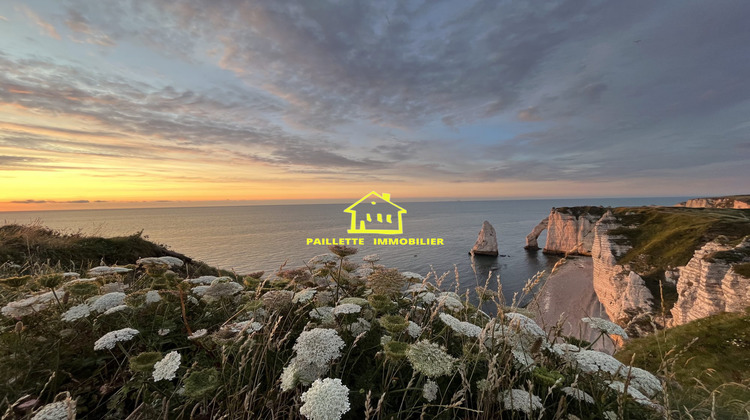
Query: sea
[(266, 237)]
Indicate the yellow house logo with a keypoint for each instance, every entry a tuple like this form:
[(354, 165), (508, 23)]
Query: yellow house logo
[(375, 213)]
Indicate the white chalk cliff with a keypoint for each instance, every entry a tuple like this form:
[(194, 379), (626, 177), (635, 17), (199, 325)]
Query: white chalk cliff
[(486, 241), (716, 203), (709, 285), (567, 233), (622, 292)]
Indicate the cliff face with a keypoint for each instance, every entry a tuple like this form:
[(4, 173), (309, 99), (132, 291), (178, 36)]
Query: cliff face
[(569, 230), (709, 284), (622, 292), (732, 202)]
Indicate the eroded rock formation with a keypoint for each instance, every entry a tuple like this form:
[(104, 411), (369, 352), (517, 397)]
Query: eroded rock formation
[(732, 202), (531, 238), (486, 241), (569, 230)]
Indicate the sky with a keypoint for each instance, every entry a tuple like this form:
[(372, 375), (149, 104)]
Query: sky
[(136, 103)]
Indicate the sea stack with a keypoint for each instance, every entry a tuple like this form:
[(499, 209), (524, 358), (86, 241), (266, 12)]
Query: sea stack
[(486, 241)]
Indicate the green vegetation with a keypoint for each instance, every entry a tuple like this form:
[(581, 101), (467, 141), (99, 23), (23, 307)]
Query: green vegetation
[(579, 210), (313, 342), (703, 359), (743, 269)]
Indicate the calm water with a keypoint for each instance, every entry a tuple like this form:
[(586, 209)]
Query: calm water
[(250, 238)]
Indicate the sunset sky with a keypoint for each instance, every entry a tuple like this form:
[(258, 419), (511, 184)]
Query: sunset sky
[(130, 103)]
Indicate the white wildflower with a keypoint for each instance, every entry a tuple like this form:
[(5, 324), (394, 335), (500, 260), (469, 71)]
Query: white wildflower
[(521, 400), (430, 359), (578, 394), (525, 324), (522, 357), (117, 308), (591, 361), (430, 390), (104, 270), (71, 275), (289, 377), (166, 368), (414, 330), (324, 314), (644, 381), (248, 326), (608, 327), (198, 334), (347, 308), (416, 288), (360, 326), (200, 290), (205, 280), (152, 296), (385, 340), (563, 349), (76, 312), (637, 395), (117, 286), (610, 415), (363, 272), (318, 346), (372, 258), (304, 296), (223, 287), (427, 297), (29, 305), (110, 339), (163, 331), (462, 327), (327, 399), (412, 275), (61, 410), (324, 259), (108, 301), (449, 302)]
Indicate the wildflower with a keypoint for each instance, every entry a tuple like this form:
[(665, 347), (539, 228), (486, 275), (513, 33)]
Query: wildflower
[(563, 349), (28, 305), (393, 323), (381, 303), (521, 400), (324, 314), (304, 296), (205, 280), (327, 399), (416, 288), (363, 272), (163, 331), (342, 251), (104, 270), (318, 346), (360, 326), (644, 381), (449, 302), (200, 290), (76, 312), (430, 390), (462, 327), (108, 340), (169, 261), (578, 394), (289, 377), (591, 361), (395, 350), (324, 259), (144, 362), (167, 367), (198, 334), (222, 287), (354, 300), (152, 296), (117, 308), (430, 359), (608, 327), (637, 395), (117, 286), (61, 410), (346, 308), (201, 383), (414, 330), (248, 326), (412, 276), (428, 297), (108, 301), (372, 258), (483, 385), (386, 282), (522, 357), (279, 300)]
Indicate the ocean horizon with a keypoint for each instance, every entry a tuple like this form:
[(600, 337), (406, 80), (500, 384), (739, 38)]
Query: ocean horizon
[(266, 237)]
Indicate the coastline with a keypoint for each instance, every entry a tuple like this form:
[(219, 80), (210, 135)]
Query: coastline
[(568, 292)]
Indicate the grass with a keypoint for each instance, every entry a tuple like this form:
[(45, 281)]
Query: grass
[(579, 210), (743, 269), (703, 359)]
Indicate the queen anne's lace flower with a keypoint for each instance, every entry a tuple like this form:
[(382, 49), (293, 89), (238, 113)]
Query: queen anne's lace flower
[(462, 327), (521, 400), (163, 331), (222, 287), (637, 395), (117, 308), (76, 312), (198, 334), (110, 339), (318, 346), (104, 270), (167, 367), (108, 301), (523, 358), (430, 390), (644, 381), (372, 258), (360, 326), (414, 330), (608, 327), (449, 302), (152, 296), (29, 305), (205, 280), (324, 259), (591, 361), (61, 410), (427, 297), (324, 314), (249, 327), (304, 296), (578, 394), (412, 275), (346, 308), (327, 399), (430, 359)]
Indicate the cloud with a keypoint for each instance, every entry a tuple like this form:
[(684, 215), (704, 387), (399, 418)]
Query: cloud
[(53, 201), (48, 28), (529, 114)]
